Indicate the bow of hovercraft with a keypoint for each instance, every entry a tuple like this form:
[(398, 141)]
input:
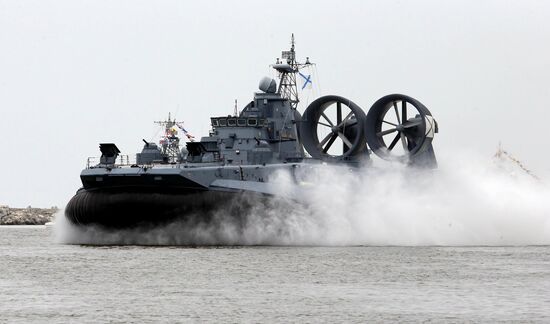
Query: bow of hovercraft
[(122, 197), (119, 194), (116, 193)]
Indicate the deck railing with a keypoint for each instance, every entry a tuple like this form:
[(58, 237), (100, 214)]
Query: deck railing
[(121, 160), (124, 161)]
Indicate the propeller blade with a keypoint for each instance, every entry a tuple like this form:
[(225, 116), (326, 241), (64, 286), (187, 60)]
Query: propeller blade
[(412, 123), (386, 132), (351, 123), (395, 140), (387, 122), (344, 139), (343, 122), (396, 112), (326, 118), (404, 141), (329, 144), (325, 140), (404, 111), (338, 113)]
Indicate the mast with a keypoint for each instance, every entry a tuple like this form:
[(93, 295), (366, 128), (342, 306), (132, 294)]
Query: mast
[(288, 87), (169, 142)]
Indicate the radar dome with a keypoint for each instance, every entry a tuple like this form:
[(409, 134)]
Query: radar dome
[(268, 85)]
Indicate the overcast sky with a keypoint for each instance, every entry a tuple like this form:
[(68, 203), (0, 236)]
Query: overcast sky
[(77, 73)]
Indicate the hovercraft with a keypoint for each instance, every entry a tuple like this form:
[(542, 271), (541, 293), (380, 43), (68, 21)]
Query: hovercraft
[(237, 160)]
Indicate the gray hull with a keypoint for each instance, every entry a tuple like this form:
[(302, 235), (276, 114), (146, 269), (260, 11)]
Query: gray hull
[(129, 197)]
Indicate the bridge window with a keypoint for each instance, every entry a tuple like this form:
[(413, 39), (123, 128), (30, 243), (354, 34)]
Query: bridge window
[(240, 122)]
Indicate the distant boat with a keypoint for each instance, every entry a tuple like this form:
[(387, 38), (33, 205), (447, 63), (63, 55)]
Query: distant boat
[(504, 156), (49, 224)]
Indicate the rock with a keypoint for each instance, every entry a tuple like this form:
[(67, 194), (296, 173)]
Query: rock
[(26, 216), (4, 210)]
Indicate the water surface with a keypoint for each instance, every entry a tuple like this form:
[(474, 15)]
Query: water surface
[(42, 281)]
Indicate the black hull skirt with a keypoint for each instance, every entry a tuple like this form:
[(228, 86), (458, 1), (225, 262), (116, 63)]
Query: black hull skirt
[(127, 207)]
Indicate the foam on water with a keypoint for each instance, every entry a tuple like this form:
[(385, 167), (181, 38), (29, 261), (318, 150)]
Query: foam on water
[(467, 201)]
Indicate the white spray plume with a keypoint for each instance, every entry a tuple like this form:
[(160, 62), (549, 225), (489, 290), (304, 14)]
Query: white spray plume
[(467, 201)]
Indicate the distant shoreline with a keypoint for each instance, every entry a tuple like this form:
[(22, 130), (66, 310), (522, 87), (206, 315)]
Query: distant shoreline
[(26, 216)]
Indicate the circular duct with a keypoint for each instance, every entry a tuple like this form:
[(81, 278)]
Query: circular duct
[(399, 127), (332, 128)]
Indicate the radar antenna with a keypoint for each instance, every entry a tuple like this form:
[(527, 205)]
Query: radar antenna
[(288, 87)]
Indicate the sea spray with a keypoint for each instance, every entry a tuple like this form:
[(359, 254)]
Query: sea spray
[(467, 201)]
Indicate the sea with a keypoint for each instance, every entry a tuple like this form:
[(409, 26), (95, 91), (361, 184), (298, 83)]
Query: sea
[(44, 281)]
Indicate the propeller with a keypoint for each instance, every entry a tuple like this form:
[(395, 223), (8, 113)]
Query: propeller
[(401, 128), (333, 129)]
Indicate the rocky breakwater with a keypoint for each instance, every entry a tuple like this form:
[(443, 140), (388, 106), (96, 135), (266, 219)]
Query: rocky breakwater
[(26, 216)]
